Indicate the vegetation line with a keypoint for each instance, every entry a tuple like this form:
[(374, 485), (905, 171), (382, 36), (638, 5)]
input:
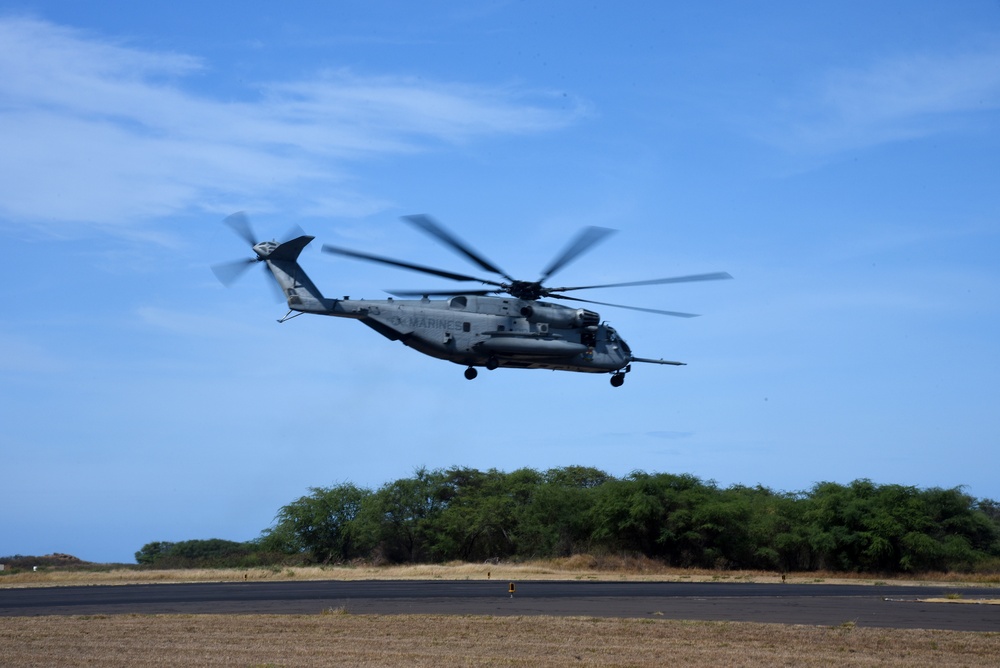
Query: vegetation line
[(467, 515)]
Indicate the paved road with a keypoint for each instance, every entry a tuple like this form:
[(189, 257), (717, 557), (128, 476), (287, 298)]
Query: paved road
[(881, 606)]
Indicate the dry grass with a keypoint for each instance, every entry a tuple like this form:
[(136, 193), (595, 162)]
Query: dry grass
[(341, 638), (578, 567)]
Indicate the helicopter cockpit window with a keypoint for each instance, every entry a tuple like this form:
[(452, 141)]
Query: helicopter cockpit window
[(458, 302)]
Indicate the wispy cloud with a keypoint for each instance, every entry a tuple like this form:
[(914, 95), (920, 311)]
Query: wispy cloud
[(106, 133), (894, 99)]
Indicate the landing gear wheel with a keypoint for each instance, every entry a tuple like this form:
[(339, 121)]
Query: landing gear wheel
[(492, 363), (617, 380), (471, 373)]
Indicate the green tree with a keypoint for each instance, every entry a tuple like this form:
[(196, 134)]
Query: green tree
[(747, 527), (654, 515), (401, 516), (888, 528), (198, 553), (559, 519), (152, 552), (209, 552), (576, 477), (471, 515), (324, 523), (482, 515)]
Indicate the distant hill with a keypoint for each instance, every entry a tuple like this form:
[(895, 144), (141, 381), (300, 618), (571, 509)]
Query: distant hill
[(55, 560)]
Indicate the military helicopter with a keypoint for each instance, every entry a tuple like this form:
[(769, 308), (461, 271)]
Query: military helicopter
[(504, 325)]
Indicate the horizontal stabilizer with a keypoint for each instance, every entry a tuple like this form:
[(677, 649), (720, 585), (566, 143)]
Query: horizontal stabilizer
[(290, 250)]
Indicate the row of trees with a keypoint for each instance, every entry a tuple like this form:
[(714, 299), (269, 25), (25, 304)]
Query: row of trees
[(212, 553), (471, 515)]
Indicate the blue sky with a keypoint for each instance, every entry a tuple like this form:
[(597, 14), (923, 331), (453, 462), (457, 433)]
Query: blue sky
[(839, 159)]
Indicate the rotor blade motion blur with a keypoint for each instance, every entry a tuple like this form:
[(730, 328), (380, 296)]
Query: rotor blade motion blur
[(717, 276), (241, 225), (676, 314), (230, 272), (428, 225), (584, 240), (587, 237), (335, 250)]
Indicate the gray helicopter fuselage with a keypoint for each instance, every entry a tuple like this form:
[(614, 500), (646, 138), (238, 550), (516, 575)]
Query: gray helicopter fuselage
[(474, 330), (471, 330)]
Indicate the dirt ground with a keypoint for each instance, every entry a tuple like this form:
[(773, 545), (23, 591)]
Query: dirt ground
[(335, 637)]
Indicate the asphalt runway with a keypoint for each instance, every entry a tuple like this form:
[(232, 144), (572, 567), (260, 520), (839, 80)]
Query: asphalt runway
[(824, 605)]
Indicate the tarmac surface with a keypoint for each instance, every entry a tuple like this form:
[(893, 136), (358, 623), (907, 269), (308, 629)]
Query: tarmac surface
[(825, 605)]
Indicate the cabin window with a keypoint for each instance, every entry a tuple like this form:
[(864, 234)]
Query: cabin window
[(458, 302), (466, 326)]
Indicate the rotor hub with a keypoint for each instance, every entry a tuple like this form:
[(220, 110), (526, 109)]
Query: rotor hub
[(526, 290), (264, 249)]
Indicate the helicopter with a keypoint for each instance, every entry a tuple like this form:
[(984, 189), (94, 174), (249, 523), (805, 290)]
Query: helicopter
[(505, 325)]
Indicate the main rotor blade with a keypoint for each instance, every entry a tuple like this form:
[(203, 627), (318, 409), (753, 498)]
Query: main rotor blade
[(584, 240), (229, 272), (439, 293), (717, 276), (405, 265), (676, 314), (241, 225), (428, 225)]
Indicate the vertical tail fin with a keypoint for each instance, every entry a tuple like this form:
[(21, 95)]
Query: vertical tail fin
[(299, 290)]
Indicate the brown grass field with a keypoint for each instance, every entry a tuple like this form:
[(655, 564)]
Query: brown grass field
[(337, 637), (578, 567)]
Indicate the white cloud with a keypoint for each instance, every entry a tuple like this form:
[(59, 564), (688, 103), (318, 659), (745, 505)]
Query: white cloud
[(105, 133), (895, 99)]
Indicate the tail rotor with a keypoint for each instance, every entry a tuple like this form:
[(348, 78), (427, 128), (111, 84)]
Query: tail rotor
[(230, 272)]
